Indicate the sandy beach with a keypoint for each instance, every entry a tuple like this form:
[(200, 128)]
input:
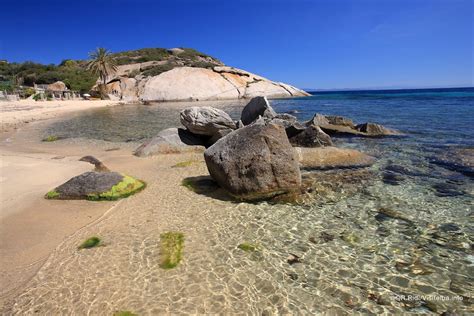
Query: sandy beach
[(15, 114)]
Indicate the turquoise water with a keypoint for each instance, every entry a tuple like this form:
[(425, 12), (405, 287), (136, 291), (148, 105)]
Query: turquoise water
[(394, 238)]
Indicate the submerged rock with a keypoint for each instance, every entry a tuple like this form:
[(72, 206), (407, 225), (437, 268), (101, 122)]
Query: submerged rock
[(312, 136), (447, 190), (96, 186), (324, 158), (171, 140), (392, 178), (206, 121), (457, 159), (258, 106), (254, 162)]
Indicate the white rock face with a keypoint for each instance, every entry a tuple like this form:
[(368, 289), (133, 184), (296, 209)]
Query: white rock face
[(266, 88), (188, 83), (195, 84)]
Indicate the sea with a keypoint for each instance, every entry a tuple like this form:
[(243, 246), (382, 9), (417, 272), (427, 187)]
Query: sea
[(394, 238)]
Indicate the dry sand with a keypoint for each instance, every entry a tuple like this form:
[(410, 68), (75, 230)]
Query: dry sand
[(16, 113)]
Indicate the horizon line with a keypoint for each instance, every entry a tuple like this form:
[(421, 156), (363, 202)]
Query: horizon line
[(388, 88)]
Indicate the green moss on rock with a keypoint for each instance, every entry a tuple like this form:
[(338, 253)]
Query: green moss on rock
[(50, 138), (249, 247), (128, 186), (171, 249), (124, 313), (184, 164), (51, 195), (90, 243)]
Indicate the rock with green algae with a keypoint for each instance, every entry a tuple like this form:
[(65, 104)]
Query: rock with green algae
[(248, 247), (97, 186), (90, 243), (350, 237), (184, 164), (50, 138), (171, 249), (124, 313)]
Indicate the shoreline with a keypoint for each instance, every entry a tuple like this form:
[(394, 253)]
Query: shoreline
[(16, 114), (31, 230)]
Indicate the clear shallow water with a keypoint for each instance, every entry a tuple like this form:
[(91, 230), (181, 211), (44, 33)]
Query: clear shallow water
[(364, 238)]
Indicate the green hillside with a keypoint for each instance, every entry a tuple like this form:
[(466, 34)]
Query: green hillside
[(75, 75)]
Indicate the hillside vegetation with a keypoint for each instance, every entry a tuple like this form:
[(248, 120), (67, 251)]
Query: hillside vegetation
[(76, 77)]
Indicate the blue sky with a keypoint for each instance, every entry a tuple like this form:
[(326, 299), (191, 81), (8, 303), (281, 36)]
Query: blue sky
[(311, 44)]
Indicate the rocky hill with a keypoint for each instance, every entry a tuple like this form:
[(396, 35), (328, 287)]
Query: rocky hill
[(151, 74), (178, 74)]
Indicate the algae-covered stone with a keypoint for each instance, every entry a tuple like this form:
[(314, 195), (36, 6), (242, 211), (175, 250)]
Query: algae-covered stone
[(171, 249), (97, 186), (90, 243), (248, 247), (50, 138), (124, 313)]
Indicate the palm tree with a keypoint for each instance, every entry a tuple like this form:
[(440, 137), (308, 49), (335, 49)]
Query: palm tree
[(101, 63)]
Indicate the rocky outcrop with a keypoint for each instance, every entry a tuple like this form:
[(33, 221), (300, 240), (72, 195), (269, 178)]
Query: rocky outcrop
[(254, 162), (188, 83), (342, 126), (258, 106), (207, 121), (171, 140), (312, 136), (183, 83), (324, 158)]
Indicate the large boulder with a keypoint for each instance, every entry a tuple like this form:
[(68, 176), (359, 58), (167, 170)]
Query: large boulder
[(95, 185), (206, 121), (258, 106), (324, 158), (171, 140), (254, 162), (312, 136)]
